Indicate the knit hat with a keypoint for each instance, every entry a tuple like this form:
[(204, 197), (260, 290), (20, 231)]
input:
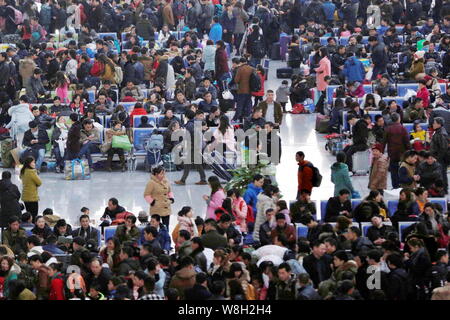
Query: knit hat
[(419, 54), (142, 214), (378, 147)]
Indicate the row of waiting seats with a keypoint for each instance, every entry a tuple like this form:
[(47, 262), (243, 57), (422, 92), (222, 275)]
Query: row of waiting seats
[(302, 230), (408, 126), (402, 89)]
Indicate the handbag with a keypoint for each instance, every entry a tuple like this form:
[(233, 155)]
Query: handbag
[(227, 95), (121, 142)]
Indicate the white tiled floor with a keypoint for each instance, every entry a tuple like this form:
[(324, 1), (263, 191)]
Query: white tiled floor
[(67, 197)]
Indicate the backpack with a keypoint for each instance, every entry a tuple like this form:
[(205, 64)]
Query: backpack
[(259, 51), (179, 9), (155, 142), (18, 17), (118, 75), (255, 82), (218, 10), (123, 215), (250, 215), (316, 177)]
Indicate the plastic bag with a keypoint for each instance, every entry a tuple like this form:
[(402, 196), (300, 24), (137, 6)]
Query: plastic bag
[(227, 95), (121, 142), (369, 74)]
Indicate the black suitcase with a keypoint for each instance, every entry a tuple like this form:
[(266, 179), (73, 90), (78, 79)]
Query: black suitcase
[(275, 52), (284, 73), (219, 165)]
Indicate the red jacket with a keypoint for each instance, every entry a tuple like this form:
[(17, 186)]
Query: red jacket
[(425, 96), (304, 176), (56, 289), (221, 63), (97, 69), (137, 112)]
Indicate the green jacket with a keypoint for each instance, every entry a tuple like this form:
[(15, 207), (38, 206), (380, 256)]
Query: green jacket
[(30, 183), (123, 235), (213, 240), (17, 241), (340, 177)]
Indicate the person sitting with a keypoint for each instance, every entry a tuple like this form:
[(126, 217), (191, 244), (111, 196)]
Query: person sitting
[(432, 219), (90, 141), (127, 262), (14, 236), (282, 228), (429, 171), (85, 231), (115, 130), (41, 229), (62, 228), (206, 86), (415, 111), (355, 89), (338, 205), (379, 232), (207, 103), (128, 232), (360, 134), (104, 105), (180, 104), (111, 211), (34, 141), (212, 119), (145, 124), (359, 244), (406, 172), (110, 92), (135, 91), (168, 118), (372, 205), (255, 119), (59, 109), (302, 207)]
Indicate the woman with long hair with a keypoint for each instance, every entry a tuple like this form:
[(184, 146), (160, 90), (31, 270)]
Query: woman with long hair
[(215, 200), (220, 265), (25, 32), (259, 94), (62, 87), (7, 273), (323, 71), (224, 136), (77, 104), (59, 139), (108, 69), (111, 253), (239, 209), (30, 184)]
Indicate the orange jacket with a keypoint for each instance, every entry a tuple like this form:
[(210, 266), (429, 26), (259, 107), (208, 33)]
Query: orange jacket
[(305, 174)]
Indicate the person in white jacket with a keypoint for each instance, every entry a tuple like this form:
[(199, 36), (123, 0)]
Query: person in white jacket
[(20, 117)]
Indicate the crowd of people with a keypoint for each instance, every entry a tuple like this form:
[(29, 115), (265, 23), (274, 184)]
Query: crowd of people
[(72, 64)]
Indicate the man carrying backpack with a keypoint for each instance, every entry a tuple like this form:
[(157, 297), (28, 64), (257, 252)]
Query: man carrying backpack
[(305, 173), (243, 97)]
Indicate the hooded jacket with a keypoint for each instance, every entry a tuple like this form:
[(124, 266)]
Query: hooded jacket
[(354, 69), (20, 117), (251, 196), (340, 177)]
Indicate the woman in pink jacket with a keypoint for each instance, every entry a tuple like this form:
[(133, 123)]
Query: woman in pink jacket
[(214, 201), (239, 207), (322, 71)]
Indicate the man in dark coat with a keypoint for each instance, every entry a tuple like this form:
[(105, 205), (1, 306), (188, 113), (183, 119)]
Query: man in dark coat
[(397, 140), (397, 278), (379, 57), (442, 112), (73, 138), (200, 289), (317, 264), (96, 15), (360, 135), (15, 237), (35, 139), (306, 290), (86, 231), (439, 147), (99, 275), (9, 200), (211, 238), (359, 244), (339, 205), (429, 171)]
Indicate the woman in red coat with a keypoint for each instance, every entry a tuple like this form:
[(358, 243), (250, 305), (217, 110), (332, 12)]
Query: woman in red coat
[(56, 282), (137, 111), (260, 94), (423, 93)]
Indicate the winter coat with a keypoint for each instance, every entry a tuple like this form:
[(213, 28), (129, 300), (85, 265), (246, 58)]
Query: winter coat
[(264, 203), (304, 176), (182, 280), (159, 192), (251, 196), (329, 8), (397, 140), (405, 175), (214, 240), (30, 183), (242, 79), (168, 17), (241, 18), (214, 203), (439, 145), (127, 265), (327, 287), (20, 117), (322, 71), (378, 173), (220, 63), (17, 241), (215, 33), (124, 235), (209, 57), (282, 93), (340, 177), (334, 206), (429, 173), (354, 70), (9, 202)]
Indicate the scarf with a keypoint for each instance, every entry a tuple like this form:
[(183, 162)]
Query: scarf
[(109, 258)]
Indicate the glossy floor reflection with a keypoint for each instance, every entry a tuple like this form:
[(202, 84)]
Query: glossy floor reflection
[(297, 132)]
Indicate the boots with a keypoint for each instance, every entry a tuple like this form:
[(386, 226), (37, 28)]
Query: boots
[(122, 162), (109, 163)]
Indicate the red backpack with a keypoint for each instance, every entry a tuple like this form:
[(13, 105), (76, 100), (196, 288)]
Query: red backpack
[(250, 216), (298, 108)]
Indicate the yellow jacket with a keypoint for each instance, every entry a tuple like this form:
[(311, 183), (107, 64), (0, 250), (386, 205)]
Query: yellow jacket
[(419, 135), (30, 182)]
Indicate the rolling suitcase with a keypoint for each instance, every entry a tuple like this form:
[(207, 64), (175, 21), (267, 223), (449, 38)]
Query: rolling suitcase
[(361, 162), (275, 52), (221, 166), (284, 73)]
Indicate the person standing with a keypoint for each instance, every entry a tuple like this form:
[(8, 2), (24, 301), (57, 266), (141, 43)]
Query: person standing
[(244, 97), (272, 110), (340, 175), (379, 57), (379, 169), (20, 117), (221, 72), (73, 137), (30, 184), (322, 71), (397, 140), (159, 196), (9, 200), (305, 173), (439, 147)]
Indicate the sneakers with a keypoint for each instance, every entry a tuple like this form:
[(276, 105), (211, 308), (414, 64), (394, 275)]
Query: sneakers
[(201, 183), (180, 183)]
